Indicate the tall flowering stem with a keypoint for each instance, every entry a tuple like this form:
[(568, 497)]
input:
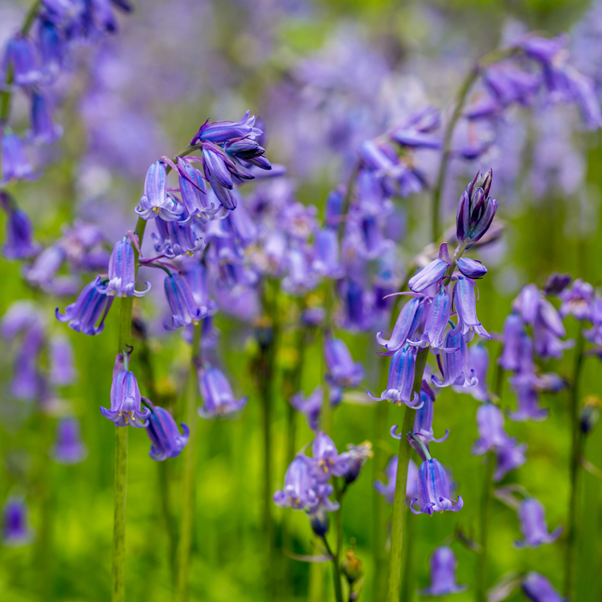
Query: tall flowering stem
[(189, 414), (338, 590), (577, 440), (398, 521), (481, 587)]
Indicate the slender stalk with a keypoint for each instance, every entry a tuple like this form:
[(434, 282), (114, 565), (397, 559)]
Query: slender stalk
[(397, 523), (481, 588), (577, 441), (336, 570), (189, 412), (408, 581)]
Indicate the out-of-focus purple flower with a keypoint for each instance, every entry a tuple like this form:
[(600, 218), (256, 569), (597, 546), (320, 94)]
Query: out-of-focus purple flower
[(527, 303), (478, 360), (433, 489), (538, 589), (557, 283), (311, 406), (68, 447), (166, 440), (21, 316), (43, 129), (492, 436), (221, 132), (443, 565), (577, 299), (326, 460), (15, 526), (218, 399), (156, 201), (476, 210), (87, 315), (533, 525), (15, 165), (388, 490), (465, 305), (299, 487), (175, 238), (51, 44), (326, 260), (19, 233), (126, 401), (358, 456), (62, 369), (428, 276), (122, 273), (455, 363), (508, 458), (512, 340), (27, 382), (334, 208), (414, 130), (528, 402), (193, 190), (199, 286), (45, 267), (408, 321), (401, 379), (342, 370), (20, 59), (184, 309), (470, 268), (423, 422)]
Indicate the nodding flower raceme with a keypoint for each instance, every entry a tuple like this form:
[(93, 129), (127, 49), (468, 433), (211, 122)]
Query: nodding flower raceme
[(184, 309), (15, 527), (433, 489), (122, 273), (342, 370), (533, 525), (539, 589), (388, 490), (68, 447), (443, 565), (156, 201), (455, 365), (218, 399), (408, 321), (299, 491), (87, 315), (166, 440)]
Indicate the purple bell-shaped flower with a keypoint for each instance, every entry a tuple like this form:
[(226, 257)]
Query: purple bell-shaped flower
[(443, 574)]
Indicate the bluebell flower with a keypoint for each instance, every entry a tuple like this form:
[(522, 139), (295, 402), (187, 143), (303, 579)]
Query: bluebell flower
[(218, 175), (533, 525), (87, 315), (409, 320), (470, 268), (218, 399), (21, 316), (577, 300), (15, 526), (334, 208), (455, 362), (342, 370), (478, 360), (299, 278), (388, 490), (527, 397), (45, 266), (122, 273), (43, 129), (51, 45), (476, 210), (512, 340), (538, 589), (221, 132), (27, 381), (414, 131), (326, 460), (527, 303), (193, 191), (311, 406), (62, 368), (492, 436), (19, 234), (20, 58), (15, 165), (299, 490), (126, 401), (156, 201), (325, 260), (174, 238), (465, 304), (433, 490), (184, 309), (401, 379), (443, 565), (243, 226), (199, 286), (247, 152), (429, 275), (166, 440), (68, 447), (508, 458), (437, 318), (357, 314)]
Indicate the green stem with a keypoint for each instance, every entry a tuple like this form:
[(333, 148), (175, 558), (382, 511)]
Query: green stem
[(336, 570), (571, 544), (189, 412), (407, 582), (397, 523), (481, 578)]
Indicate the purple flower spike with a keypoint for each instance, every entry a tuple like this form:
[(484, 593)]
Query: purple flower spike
[(218, 399), (184, 309), (15, 165), (216, 172), (429, 275), (122, 273), (465, 304), (492, 436), (388, 490), (436, 320), (62, 370), (166, 440), (433, 490), (15, 527), (455, 364), (443, 565), (512, 338), (342, 370), (401, 379), (43, 129), (509, 457), (408, 321), (538, 589), (533, 525), (126, 402), (155, 200), (327, 460), (476, 210), (471, 269), (423, 423), (478, 360), (19, 236), (220, 132), (299, 491), (87, 315), (20, 57), (68, 447)]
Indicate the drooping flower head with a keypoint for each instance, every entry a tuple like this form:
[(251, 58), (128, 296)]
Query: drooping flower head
[(122, 273), (15, 527), (342, 370), (68, 447), (443, 565), (87, 315), (184, 309), (401, 379), (166, 440), (433, 489), (218, 399), (533, 525), (327, 461), (299, 491), (539, 589)]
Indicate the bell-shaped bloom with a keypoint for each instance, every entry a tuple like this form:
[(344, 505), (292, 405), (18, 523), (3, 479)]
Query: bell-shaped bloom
[(87, 315), (51, 44), (538, 589), (437, 318), (527, 303), (68, 447), (122, 273), (492, 436), (166, 440), (465, 304), (512, 339), (174, 238), (311, 406), (300, 486), (199, 286), (43, 128), (455, 362), (508, 458), (126, 402), (218, 399), (401, 379), (218, 175), (433, 490), (184, 309), (476, 210), (19, 233), (533, 525), (409, 320), (527, 396), (156, 200), (15, 165), (423, 422), (358, 456), (15, 525), (556, 284), (428, 275), (327, 461), (62, 368), (478, 360), (342, 370), (470, 268), (221, 132), (43, 270), (28, 382), (387, 490), (20, 58), (21, 316), (325, 260), (193, 191), (443, 565), (577, 300)]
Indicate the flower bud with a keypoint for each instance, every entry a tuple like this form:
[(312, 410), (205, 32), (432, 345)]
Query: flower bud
[(471, 268)]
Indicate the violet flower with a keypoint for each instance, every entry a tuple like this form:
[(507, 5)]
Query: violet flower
[(533, 525), (174, 238), (166, 440), (15, 165), (156, 200), (326, 460), (508, 458), (299, 487), (358, 456), (68, 447), (455, 365), (512, 341), (15, 526), (478, 359), (465, 304), (492, 436), (20, 59), (538, 589), (87, 315), (325, 260), (433, 489), (126, 401), (342, 370), (62, 369), (184, 309), (470, 268), (443, 565), (577, 300), (388, 490), (311, 406), (43, 129), (19, 232), (428, 275), (401, 379), (476, 210), (193, 191), (218, 399), (408, 322), (122, 273), (221, 132), (437, 318)]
